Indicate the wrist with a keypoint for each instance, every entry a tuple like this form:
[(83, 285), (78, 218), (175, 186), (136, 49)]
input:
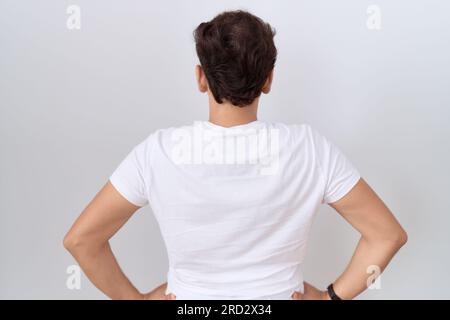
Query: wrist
[(135, 295), (325, 295), (141, 296), (331, 293)]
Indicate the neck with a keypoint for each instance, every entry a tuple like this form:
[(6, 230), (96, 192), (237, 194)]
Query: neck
[(228, 115)]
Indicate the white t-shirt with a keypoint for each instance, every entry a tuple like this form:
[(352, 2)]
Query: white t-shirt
[(235, 205)]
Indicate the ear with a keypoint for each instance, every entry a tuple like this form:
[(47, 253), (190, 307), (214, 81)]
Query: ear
[(202, 83), (268, 84)]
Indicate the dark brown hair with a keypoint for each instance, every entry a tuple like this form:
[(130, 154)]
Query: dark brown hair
[(237, 54)]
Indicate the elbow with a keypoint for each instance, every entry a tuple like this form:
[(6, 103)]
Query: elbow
[(399, 238), (73, 243), (80, 245), (402, 238), (69, 242), (394, 239)]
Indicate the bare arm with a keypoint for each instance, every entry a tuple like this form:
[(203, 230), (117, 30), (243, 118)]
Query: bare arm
[(381, 237), (88, 242)]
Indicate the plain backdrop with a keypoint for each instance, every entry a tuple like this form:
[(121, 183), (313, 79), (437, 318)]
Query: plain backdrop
[(74, 102)]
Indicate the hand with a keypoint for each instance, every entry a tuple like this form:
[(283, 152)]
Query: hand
[(310, 293), (159, 293)]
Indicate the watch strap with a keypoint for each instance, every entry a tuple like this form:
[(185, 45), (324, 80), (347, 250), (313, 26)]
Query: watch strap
[(332, 294)]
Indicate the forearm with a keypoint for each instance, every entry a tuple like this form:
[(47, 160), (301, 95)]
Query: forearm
[(102, 269), (354, 279)]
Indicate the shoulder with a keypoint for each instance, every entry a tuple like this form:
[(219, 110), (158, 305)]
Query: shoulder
[(162, 138), (308, 133), (297, 132), (164, 133)]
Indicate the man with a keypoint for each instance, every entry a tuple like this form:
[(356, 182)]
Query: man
[(235, 196)]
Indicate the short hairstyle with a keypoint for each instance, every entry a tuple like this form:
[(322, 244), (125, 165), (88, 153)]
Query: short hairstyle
[(237, 53)]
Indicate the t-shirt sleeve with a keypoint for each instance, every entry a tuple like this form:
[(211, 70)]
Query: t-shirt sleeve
[(339, 174), (129, 178)]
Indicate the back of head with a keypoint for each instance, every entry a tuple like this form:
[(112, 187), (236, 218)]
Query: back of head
[(237, 53)]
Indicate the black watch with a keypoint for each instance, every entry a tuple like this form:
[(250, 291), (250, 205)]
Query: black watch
[(332, 294)]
